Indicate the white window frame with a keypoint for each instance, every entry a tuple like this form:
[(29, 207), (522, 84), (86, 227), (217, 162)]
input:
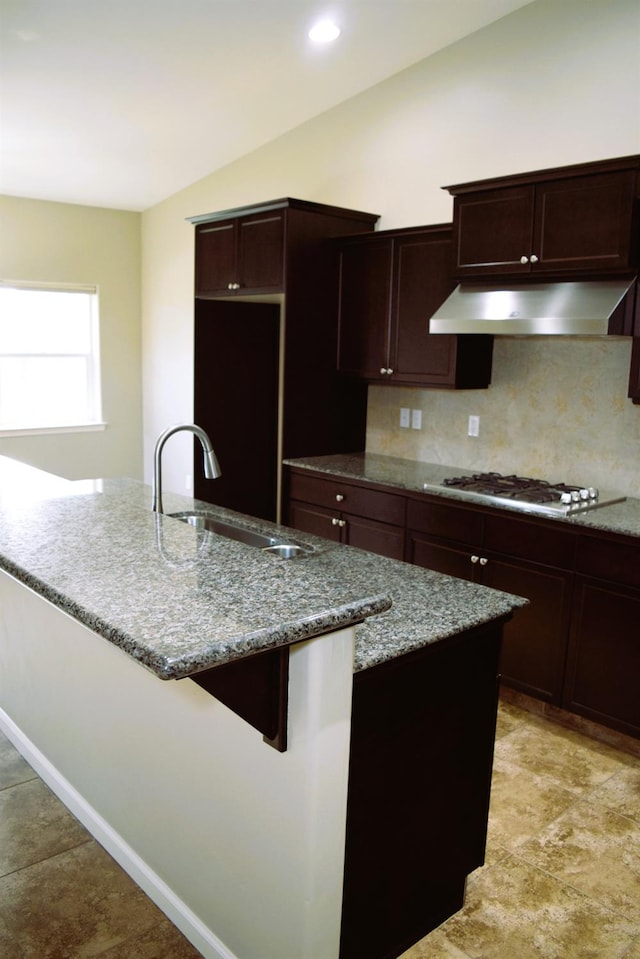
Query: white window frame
[(93, 421)]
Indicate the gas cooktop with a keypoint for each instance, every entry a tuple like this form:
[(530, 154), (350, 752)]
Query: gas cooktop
[(525, 493)]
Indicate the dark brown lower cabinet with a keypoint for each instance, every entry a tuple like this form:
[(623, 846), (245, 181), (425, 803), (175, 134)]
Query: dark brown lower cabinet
[(577, 643), (603, 668), (535, 642), (534, 647), (423, 729), (381, 538), (535, 560), (367, 518), (603, 665)]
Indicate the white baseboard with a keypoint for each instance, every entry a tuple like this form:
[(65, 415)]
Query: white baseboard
[(171, 905)]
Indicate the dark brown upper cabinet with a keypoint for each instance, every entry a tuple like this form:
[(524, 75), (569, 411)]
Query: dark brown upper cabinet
[(241, 255), (566, 222), (391, 282), (267, 248)]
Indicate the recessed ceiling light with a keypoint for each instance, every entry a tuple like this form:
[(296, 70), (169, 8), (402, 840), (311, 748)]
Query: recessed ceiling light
[(324, 31)]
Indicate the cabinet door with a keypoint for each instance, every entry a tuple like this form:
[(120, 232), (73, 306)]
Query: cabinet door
[(535, 640), (261, 253), (442, 557), (381, 538), (584, 222), (317, 520), (215, 257), (364, 309), (423, 278), (493, 231), (604, 656)]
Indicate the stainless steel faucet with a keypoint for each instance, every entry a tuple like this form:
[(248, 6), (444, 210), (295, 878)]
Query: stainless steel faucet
[(211, 466)]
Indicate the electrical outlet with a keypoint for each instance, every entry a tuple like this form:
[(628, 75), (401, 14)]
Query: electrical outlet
[(416, 419), (405, 413), (474, 426), (188, 482)]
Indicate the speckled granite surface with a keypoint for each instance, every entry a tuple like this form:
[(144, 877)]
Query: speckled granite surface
[(178, 600), (412, 475)]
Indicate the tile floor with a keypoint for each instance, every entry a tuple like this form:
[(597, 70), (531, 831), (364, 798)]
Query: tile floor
[(562, 878), (562, 872)]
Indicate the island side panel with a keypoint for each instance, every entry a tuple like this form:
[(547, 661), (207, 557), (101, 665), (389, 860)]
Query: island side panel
[(423, 731), (242, 846)]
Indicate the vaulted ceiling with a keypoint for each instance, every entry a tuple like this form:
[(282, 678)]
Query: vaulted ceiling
[(123, 103)]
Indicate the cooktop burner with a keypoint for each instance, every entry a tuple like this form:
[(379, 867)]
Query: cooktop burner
[(533, 495)]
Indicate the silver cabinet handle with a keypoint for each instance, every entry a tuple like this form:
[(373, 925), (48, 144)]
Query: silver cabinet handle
[(338, 522), (389, 372), (475, 559), (230, 286), (534, 258), (483, 560), (524, 259), (339, 497), (386, 371)]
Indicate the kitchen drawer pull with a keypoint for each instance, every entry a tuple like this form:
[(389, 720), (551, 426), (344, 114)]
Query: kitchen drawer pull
[(483, 560), (339, 497), (338, 522), (475, 559), (534, 258), (524, 259)]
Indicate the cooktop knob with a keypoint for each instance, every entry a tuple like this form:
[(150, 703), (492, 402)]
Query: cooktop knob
[(565, 498), (584, 494), (593, 492)]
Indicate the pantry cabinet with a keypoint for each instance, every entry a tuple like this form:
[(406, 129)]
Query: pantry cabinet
[(566, 222), (391, 282), (265, 335)]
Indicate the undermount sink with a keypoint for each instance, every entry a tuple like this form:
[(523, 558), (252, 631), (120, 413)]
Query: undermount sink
[(264, 541)]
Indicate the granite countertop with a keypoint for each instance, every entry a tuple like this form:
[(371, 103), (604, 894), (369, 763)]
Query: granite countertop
[(179, 601), (414, 476)]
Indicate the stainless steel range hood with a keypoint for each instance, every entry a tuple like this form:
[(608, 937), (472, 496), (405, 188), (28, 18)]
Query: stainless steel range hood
[(582, 308)]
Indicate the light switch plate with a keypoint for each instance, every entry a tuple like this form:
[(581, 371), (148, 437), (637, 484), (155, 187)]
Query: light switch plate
[(405, 413), (474, 426), (416, 419)]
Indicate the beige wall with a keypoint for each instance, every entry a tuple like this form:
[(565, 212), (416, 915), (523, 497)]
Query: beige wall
[(64, 243), (556, 82)]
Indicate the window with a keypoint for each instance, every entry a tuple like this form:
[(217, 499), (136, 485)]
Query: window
[(49, 358)]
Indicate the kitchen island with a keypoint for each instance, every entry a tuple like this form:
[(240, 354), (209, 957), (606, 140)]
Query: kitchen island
[(112, 622)]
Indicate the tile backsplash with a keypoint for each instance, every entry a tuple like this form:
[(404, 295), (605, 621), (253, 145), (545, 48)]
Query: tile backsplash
[(557, 409)]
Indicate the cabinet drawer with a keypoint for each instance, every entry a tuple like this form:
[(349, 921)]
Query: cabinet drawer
[(359, 500), (448, 522), (616, 562), (530, 541)]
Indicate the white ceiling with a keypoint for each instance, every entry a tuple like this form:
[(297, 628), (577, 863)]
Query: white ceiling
[(121, 103)]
